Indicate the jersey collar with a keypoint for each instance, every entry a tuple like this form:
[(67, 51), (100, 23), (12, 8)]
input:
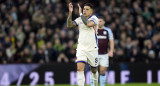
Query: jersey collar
[(90, 16)]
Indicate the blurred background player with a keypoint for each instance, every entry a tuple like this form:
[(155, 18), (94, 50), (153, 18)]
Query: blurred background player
[(87, 49), (104, 36)]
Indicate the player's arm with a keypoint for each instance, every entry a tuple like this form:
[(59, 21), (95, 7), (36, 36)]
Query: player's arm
[(70, 23), (86, 22), (111, 44)]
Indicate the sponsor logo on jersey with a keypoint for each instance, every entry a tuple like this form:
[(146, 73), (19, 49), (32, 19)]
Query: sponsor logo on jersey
[(101, 37)]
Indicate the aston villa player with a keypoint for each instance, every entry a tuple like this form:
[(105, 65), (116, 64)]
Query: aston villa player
[(104, 36)]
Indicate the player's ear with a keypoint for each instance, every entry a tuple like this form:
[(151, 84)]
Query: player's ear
[(92, 11), (104, 21)]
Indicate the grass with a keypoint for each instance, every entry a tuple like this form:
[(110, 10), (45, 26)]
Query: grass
[(129, 84)]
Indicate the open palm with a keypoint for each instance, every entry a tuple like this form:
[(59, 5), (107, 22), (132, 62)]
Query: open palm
[(70, 8)]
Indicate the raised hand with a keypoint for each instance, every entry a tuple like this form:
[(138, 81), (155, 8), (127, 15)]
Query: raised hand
[(70, 8), (80, 9)]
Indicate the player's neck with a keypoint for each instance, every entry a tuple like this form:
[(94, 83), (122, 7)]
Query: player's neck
[(101, 27), (87, 17)]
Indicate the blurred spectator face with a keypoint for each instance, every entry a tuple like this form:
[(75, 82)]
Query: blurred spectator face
[(40, 51), (26, 21), (135, 6), (135, 51), (112, 3), (123, 36), (139, 19), (34, 47), (101, 22), (31, 41), (113, 26), (23, 7), (53, 20), (127, 11), (117, 21), (13, 32), (87, 11), (49, 32), (107, 17), (63, 34), (120, 52), (142, 26), (128, 1), (122, 27), (49, 45), (135, 43), (70, 34), (102, 4), (71, 43), (137, 30), (128, 26), (12, 47), (149, 44), (32, 35), (60, 16), (57, 42), (15, 23), (43, 47), (26, 51), (144, 51), (19, 44), (7, 39), (129, 39), (56, 36), (19, 29), (149, 27), (155, 38)]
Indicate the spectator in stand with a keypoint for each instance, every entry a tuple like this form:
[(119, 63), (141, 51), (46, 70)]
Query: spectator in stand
[(40, 26)]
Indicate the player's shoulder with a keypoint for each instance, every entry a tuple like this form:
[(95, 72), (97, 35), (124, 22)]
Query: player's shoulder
[(78, 18), (94, 16), (106, 28)]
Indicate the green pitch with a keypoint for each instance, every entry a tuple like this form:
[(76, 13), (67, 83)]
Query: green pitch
[(130, 84)]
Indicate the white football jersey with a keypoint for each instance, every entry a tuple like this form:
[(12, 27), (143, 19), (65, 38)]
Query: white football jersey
[(87, 40)]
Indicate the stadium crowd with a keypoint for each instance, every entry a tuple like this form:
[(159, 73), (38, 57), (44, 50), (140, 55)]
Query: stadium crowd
[(34, 31)]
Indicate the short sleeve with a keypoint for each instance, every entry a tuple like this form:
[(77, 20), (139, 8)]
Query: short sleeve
[(76, 21), (110, 34), (94, 19)]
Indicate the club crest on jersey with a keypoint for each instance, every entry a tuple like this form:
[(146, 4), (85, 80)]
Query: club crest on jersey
[(104, 32)]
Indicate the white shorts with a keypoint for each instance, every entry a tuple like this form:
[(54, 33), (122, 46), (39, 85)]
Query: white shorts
[(104, 60), (90, 57)]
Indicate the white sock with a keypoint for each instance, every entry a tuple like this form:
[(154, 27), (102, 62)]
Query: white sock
[(81, 78), (102, 80), (95, 78), (91, 80)]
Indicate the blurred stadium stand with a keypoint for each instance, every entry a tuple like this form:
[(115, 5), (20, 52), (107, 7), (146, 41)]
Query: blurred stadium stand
[(34, 31)]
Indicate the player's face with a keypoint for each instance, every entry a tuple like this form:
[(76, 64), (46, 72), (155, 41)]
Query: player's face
[(101, 22), (87, 11)]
